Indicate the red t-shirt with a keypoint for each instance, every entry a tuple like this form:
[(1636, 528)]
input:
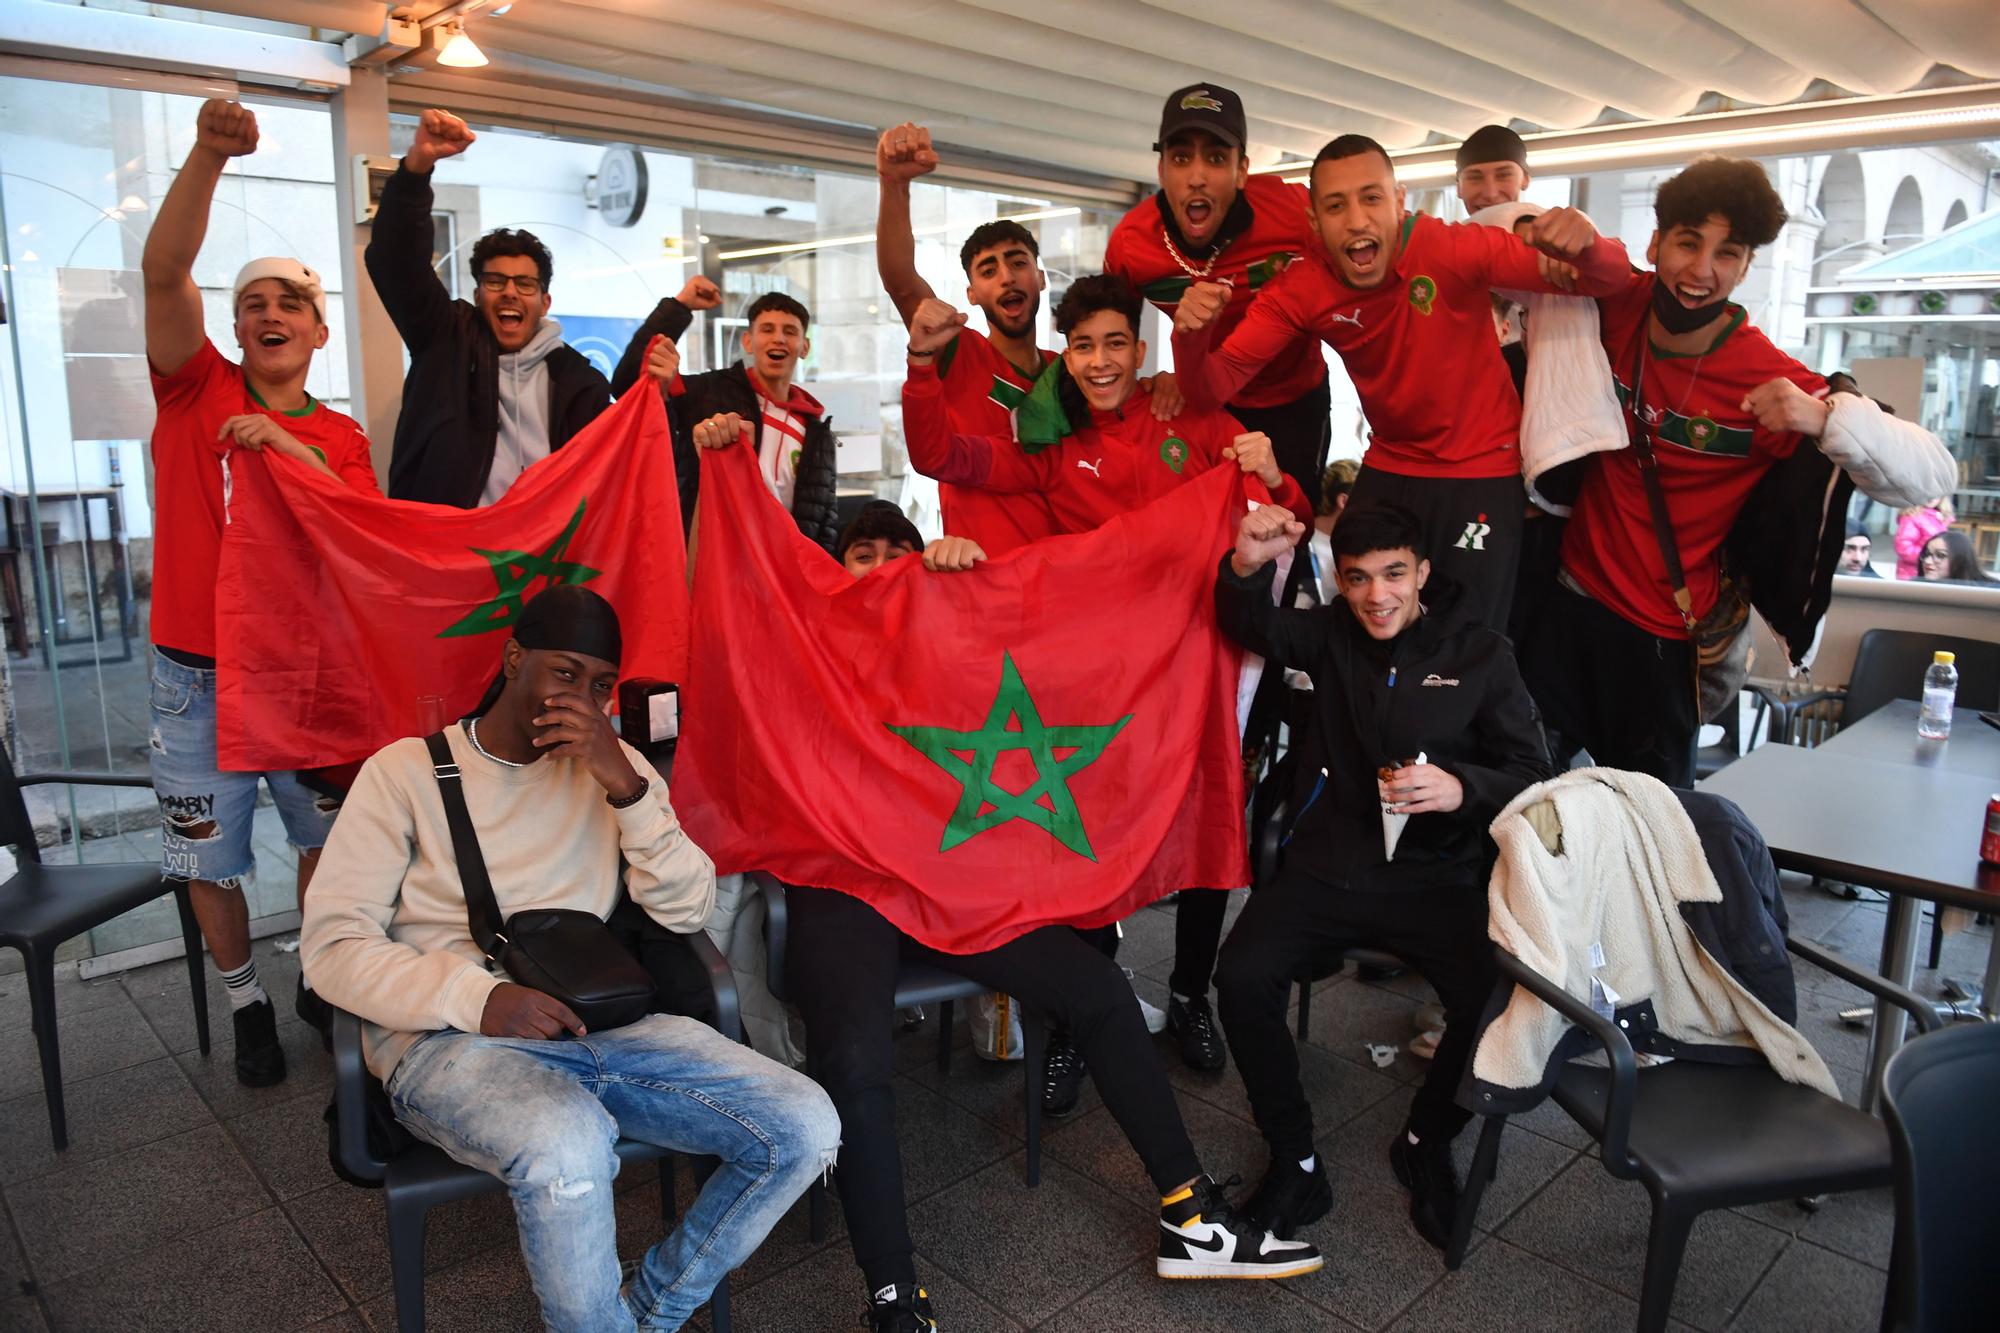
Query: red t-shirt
[(1280, 232), (1420, 349), (188, 513), (1710, 451), (1121, 461), (981, 390)]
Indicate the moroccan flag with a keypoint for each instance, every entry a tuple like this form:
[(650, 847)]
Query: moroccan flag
[(1048, 738), (335, 610)]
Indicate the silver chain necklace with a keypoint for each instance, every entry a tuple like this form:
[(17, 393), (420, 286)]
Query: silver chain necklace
[(1187, 265), (472, 734)]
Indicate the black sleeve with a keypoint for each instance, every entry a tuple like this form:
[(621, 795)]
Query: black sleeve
[(399, 261), (669, 317), (1282, 636), (1507, 738), (695, 404)]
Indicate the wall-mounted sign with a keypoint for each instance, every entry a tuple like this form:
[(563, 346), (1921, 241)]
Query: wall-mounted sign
[(621, 186)]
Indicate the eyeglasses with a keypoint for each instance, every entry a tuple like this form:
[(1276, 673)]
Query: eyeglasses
[(499, 282)]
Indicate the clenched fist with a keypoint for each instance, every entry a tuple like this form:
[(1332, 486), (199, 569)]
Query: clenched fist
[(1562, 233), (933, 326), (719, 431), (1199, 306), (1780, 405), (439, 135), (1266, 533), (226, 128), (700, 294), (953, 555), (1253, 453), (663, 360), (904, 152)]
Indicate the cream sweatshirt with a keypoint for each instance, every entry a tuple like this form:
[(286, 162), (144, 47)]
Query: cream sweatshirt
[(385, 935)]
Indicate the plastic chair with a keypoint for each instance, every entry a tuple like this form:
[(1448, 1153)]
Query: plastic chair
[(420, 1177), (916, 983), (1888, 664), (1938, 1096), (44, 905), (1699, 1136)]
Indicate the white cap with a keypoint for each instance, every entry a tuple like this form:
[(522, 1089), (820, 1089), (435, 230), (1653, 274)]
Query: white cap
[(285, 270)]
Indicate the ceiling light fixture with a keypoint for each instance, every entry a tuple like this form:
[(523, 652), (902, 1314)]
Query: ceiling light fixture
[(456, 49), (864, 238)]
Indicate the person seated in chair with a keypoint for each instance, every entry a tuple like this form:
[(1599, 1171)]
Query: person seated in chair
[(506, 1079), (1421, 732)]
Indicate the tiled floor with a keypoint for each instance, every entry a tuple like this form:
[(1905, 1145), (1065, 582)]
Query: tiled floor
[(188, 1202)]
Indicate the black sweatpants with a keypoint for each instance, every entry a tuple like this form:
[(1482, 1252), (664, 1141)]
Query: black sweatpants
[(1473, 525), (1300, 432), (1607, 686), (1298, 920), (840, 967)]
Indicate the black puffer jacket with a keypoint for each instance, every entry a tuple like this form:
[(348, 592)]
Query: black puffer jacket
[(450, 420), (1446, 687), (703, 395)]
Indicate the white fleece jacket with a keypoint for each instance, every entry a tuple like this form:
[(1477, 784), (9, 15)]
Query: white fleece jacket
[(1569, 408), (1626, 857)]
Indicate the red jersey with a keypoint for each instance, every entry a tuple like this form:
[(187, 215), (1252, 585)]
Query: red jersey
[(981, 390), (1419, 347), (1711, 455), (188, 514), (1280, 231), (1121, 461)]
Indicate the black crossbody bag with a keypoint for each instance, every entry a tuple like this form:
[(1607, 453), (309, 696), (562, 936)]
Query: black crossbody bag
[(569, 955)]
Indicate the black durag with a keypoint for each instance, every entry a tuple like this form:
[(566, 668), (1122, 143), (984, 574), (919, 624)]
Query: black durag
[(565, 618)]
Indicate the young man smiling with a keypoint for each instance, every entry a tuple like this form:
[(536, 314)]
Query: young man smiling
[(491, 387), (986, 377), (1421, 727), (209, 406), (1612, 660), (1406, 301)]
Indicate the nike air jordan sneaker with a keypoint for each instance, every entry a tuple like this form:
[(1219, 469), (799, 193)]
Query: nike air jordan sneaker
[(1202, 1236)]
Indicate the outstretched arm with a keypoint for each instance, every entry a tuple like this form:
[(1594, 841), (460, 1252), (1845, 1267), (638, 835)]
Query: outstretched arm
[(1283, 636), (400, 239), (174, 324), (902, 154), (1209, 376)]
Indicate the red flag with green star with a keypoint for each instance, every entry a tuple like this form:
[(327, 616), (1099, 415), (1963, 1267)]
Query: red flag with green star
[(1049, 738), (336, 610)]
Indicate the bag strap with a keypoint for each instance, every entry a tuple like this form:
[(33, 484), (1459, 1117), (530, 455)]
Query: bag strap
[(482, 913), (1656, 499)]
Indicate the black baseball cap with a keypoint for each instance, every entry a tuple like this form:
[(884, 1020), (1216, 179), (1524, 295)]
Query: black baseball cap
[(1491, 143), (1202, 106)]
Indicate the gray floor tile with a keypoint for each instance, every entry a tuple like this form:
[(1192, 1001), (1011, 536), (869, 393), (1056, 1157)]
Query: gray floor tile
[(1504, 1288), (13, 1264), (347, 1321), (489, 1293), (1062, 1238), (273, 1283), (105, 1115), (287, 1144), (94, 1041), (1352, 1017), (161, 993), (1376, 1263), (942, 1143), (1527, 1161), (827, 1292), (348, 1230), (308, 1072), (992, 1090), (1595, 1224), (1338, 1089), (1811, 1290), (1860, 1225), (20, 1314), (138, 1199), (73, 996), (1138, 1300), (1095, 1145), (1819, 1022)]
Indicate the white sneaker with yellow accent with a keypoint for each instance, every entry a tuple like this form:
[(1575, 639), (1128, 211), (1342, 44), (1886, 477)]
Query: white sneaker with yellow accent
[(1202, 1236)]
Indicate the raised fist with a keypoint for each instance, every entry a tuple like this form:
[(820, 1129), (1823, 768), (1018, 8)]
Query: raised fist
[(1199, 305), (1561, 233), (439, 135), (1266, 533), (933, 326), (700, 294), (904, 152), (226, 128)]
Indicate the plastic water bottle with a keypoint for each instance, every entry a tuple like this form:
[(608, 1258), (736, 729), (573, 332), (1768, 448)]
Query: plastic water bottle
[(1940, 688)]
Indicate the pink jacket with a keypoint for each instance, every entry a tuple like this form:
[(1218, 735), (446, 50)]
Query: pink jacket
[(1912, 533)]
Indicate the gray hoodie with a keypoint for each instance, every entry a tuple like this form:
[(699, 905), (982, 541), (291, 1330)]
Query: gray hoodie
[(524, 411)]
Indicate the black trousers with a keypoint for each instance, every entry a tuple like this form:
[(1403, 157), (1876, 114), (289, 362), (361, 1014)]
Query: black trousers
[(1610, 687), (1300, 432), (1473, 525), (1298, 921), (1198, 917), (840, 966)]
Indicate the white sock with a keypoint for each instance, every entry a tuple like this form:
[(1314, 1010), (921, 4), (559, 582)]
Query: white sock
[(1414, 1140), (1179, 998), (1309, 1163), (244, 988)]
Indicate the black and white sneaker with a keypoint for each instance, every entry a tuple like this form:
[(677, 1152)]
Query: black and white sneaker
[(1062, 1077), (905, 1310), (1202, 1236), (1193, 1026), (1289, 1198)]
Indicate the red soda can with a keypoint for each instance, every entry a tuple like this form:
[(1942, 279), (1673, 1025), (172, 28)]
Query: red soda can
[(1989, 842)]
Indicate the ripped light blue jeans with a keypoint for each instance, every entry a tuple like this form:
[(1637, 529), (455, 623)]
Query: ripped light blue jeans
[(543, 1115)]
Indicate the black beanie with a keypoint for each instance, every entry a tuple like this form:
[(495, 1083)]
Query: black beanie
[(564, 617), (1491, 143)]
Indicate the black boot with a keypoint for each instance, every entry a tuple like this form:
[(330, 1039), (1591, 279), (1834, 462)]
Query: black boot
[(1193, 1026), (1062, 1077), (1289, 1198), (260, 1060), (1426, 1170)]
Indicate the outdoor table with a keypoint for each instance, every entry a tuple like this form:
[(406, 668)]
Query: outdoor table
[(1876, 807)]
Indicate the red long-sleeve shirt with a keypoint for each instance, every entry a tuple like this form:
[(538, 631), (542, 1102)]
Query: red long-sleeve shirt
[(1419, 347), (1119, 462)]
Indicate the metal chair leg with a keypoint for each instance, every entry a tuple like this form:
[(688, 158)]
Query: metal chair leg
[(41, 969), (191, 941)]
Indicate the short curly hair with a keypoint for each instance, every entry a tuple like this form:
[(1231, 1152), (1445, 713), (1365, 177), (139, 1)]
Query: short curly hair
[(1099, 291), (1734, 188)]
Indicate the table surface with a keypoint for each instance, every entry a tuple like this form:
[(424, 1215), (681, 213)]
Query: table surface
[(1890, 734), (1894, 825)]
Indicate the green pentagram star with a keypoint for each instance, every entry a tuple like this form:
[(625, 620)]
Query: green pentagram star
[(515, 572), (983, 804)]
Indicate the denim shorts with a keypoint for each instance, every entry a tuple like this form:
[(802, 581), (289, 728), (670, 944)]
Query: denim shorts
[(205, 814)]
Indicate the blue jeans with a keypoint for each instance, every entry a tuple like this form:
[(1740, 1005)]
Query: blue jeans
[(543, 1115)]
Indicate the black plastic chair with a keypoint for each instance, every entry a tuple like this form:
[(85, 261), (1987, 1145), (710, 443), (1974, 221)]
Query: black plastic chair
[(420, 1177), (1888, 664), (916, 983), (1699, 1136), (1938, 1096), (44, 905)]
